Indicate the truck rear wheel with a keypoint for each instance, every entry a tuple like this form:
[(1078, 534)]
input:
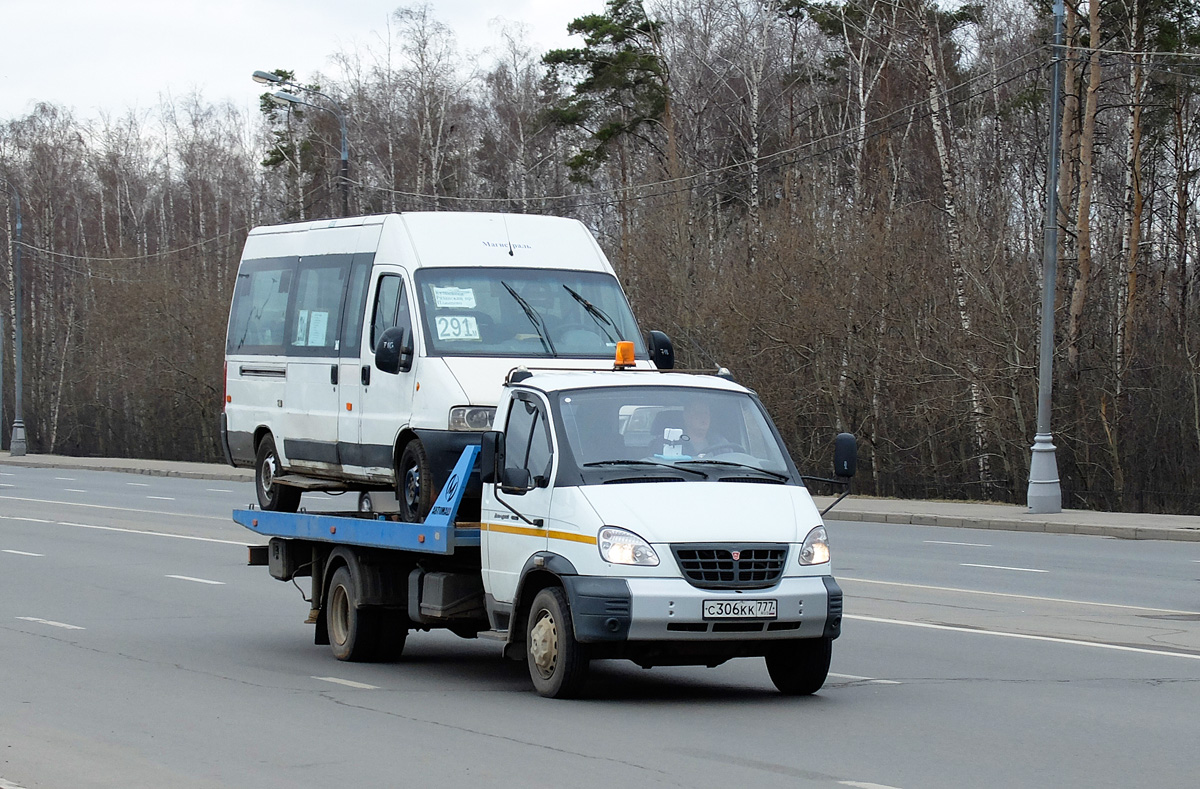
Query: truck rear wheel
[(360, 634), (414, 482), (799, 668), (271, 495), (558, 664)]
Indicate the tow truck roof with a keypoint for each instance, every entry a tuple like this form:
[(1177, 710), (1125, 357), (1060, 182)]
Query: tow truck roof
[(560, 380)]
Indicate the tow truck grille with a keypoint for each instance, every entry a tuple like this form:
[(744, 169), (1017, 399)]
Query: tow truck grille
[(713, 566)]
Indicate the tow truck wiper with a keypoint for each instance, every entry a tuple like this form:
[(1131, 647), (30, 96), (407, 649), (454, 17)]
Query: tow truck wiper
[(595, 312), (534, 318), (775, 474), (642, 463)]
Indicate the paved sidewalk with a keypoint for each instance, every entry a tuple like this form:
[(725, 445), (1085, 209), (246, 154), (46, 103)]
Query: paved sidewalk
[(1005, 517)]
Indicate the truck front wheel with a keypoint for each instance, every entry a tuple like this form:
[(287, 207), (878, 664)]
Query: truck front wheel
[(558, 665), (799, 668)]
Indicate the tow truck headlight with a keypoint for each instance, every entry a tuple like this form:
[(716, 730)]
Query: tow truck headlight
[(815, 549), (472, 417), (624, 547)]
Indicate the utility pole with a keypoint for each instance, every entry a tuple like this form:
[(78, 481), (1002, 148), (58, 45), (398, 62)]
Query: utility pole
[(16, 446), (1045, 493)]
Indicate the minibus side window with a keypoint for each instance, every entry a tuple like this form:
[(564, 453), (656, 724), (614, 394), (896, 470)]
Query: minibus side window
[(258, 318), (391, 307), (356, 305), (317, 313)]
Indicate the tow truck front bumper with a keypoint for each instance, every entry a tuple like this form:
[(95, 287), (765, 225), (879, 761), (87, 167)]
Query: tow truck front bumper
[(671, 609)]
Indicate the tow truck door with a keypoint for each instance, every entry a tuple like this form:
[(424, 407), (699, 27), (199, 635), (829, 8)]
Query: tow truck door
[(509, 539)]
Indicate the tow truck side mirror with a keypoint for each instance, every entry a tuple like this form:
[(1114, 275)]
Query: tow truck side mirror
[(516, 480), (394, 353), (662, 350), (491, 456), (845, 455)]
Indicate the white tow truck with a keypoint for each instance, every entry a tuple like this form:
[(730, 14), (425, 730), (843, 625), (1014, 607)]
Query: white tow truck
[(635, 514)]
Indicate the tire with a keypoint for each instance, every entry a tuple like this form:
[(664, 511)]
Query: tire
[(364, 502), (799, 668), (271, 495), (414, 482), (358, 634), (558, 664)]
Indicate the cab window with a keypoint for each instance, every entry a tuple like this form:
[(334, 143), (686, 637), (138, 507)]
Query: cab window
[(528, 440), (391, 307)]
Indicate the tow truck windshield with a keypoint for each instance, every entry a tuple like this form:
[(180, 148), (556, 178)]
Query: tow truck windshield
[(524, 312), (669, 432)]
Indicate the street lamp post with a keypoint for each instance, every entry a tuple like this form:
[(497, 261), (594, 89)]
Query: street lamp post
[(1045, 493), (283, 97), (16, 446)]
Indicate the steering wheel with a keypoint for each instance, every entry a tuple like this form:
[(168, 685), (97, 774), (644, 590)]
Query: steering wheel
[(719, 449)]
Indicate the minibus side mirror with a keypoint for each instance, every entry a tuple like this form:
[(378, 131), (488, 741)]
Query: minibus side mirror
[(845, 455), (394, 353), (662, 350), (516, 480), (491, 456)]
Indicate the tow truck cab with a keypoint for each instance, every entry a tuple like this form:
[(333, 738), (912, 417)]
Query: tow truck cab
[(655, 517)]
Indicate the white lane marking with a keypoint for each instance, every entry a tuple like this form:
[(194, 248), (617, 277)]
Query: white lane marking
[(6, 474), (217, 490), (197, 580), (348, 683), (74, 490), (139, 484), (9, 785), (162, 498), (872, 680), (6, 485), (967, 544), (1026, 637), (865, 785), (152, 533), (22, 553), (1000, 567), (118, 509), (65, 479), (50, 622), (1017, 596), (30, 520)]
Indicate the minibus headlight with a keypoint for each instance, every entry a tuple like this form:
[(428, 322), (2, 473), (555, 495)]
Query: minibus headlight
[(472, 417), (815, 549), (624, 547)]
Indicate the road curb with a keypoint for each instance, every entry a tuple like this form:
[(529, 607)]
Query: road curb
[(84, 464), (1115, 531)]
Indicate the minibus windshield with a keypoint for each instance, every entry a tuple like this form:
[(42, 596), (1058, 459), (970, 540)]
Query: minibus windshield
[(645, 430), (524, 312)]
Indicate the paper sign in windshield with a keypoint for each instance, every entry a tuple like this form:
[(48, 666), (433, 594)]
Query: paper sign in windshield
[(457, 327), (452, 298)]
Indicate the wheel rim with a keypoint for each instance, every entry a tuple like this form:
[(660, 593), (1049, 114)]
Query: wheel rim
[(543, 644), (339, 616), (364, 503), (267, 474), (412, 487)]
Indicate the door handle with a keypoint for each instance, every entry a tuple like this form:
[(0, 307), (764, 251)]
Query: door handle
[(333, 375), (366, 375)]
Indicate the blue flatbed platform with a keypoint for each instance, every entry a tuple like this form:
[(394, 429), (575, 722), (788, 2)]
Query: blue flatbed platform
[(438, 534)]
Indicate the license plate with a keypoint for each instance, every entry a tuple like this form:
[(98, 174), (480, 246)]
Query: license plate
[(740, 609)]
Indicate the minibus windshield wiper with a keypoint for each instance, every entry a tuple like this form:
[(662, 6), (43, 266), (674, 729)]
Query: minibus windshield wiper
[(534, 318), (774, 474), (595, 463), (595, 312)]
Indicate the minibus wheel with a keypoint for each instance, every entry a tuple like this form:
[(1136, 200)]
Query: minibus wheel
[(799, 668), (271, 495), (414, 482)]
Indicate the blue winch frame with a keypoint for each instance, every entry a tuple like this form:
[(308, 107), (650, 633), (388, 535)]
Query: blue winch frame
[(437, 534)]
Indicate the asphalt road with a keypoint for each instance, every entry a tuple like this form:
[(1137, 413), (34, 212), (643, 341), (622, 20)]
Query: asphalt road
[(139, 650)]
